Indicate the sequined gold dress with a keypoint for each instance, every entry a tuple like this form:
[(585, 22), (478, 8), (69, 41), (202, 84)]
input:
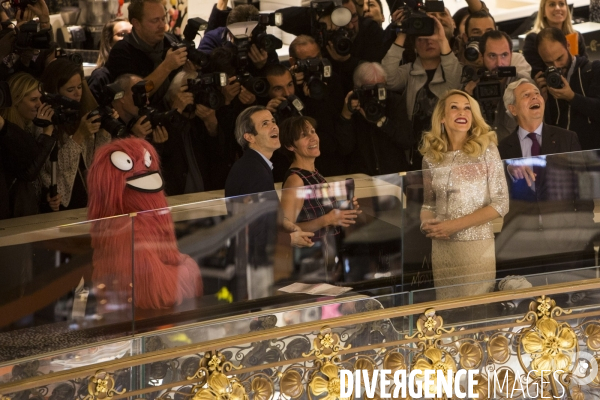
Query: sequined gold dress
[(457, 186)]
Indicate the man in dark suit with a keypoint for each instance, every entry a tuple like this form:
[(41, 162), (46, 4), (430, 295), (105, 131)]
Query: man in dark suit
[(547, 216), (251, 181)]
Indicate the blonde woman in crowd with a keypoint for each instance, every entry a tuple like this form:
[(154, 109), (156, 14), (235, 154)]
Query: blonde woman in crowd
[(465, 189), (551, 14)]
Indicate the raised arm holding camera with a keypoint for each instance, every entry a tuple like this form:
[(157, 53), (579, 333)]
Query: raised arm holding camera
[(571, 86), (424, 81), (371, 130), (343, 37), (147, 51), (77, 129), (128, 107)]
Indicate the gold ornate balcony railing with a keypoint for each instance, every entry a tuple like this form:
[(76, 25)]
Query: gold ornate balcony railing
[(550, 348)]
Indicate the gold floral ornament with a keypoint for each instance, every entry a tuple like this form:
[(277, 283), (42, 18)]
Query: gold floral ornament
[(436, 360), (471, 355), (394, 361), (550, 346), (291, 384), (576, 393), (481, 388), (365, 364), (328, 386), (499, 349), (592, 332), (102, 386), (543, 307), (221, 388), (326, 345), (262, 388), (430, 326)]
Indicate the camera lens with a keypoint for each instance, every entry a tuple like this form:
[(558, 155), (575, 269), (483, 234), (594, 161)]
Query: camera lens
[(417, 24), (316, 88), (259, 86)]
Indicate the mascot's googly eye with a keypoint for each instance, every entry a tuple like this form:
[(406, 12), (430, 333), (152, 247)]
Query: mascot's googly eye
[(147, 159), (121, 160)]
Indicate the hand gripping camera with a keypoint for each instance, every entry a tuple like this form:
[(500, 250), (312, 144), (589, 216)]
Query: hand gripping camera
[(372, 99), (554, 78), (103, 113), (207, 89), (340, 17), (259, 86), (416, 21), (140, 99), (193, 27), (316, 71), (292, 106), (261, 38), (66, 110)]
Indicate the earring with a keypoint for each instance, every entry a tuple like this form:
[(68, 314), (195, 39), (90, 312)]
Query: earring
[(443, 128)]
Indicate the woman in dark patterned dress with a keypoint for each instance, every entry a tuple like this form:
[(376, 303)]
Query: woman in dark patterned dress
[(310, 206)]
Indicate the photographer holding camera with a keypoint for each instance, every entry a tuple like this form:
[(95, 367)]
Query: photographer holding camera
[(345, 38), (129, 112), (371, 129), (311, 88), (147, 50), (217, 34), (435, 71), (193, 157), (571, 86), (79, 134), (487, 85), (23, 149)]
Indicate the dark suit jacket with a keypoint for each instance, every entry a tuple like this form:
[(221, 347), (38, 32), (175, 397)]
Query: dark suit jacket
[(252, 175), (555, 205)]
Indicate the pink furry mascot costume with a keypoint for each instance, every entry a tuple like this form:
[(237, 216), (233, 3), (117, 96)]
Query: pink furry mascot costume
[(124, 178)]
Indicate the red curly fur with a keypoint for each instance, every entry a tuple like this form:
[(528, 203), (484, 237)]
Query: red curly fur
[(163, 276)]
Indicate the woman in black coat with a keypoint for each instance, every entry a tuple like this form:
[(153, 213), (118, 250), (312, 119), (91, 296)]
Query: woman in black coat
[(24, 147)]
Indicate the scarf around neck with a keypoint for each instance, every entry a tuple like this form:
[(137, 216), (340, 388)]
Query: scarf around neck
[(155, 53)]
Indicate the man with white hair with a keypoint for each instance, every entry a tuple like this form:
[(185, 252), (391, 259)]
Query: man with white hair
[(526, 104), (371, 129), (544, 187)]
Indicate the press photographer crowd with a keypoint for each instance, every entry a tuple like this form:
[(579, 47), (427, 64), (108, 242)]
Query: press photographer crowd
[(365, 95)]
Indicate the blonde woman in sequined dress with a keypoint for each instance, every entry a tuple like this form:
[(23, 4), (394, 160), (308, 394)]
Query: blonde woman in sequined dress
[(465, 189)]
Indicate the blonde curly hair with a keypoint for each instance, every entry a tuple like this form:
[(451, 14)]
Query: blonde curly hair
[(435, 142)]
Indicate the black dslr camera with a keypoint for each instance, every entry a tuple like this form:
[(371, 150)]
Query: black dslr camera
[(257, 85), (315, 70), (372, 99), (472, 49), (340, 16), (261, 38), (292, 106), (140, 99), (27, 36), (5, 98), (191, 30), (66, 110), (103, 113), (207, 89), (554, 78), (416, 22), (489, 90), (73, 57)]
